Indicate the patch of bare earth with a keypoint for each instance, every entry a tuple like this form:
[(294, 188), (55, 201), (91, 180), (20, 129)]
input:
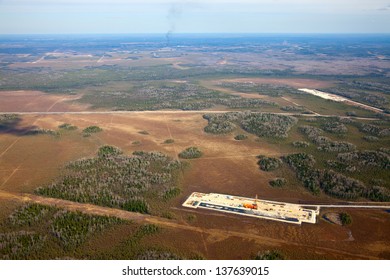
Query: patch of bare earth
[(37, 101)]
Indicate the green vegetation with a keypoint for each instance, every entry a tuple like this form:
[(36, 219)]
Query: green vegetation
[(92, 129), (29, 215), (263, 89), (73, 228), (158, 95), (373, 129), (148, 229), (331, 182), (363, 91), (20, 245), (334, 127), (191, 218), (8, 117), (300, 144), (345, 219), (366, 159), (136, 205), (291, 108), (107, 151), (190, 153), (67, 126), (42, 131), (303, 164), (277, 182), (169, 141), (324, 143), (40, 231), (219, 123), (157, 255), (171, 193), (268, 163), (269, 255), (240, 137), (268, 125), (116, 180), (260, 124), (370, 138)]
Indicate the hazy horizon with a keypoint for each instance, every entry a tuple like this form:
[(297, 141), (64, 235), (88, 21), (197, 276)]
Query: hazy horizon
[(194, 16)]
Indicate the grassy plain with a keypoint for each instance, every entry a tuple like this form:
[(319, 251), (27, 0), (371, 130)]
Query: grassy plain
[(167, 91), (231, 168)]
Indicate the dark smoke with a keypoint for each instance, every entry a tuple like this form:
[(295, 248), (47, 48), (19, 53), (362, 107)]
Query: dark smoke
[(174, 13)]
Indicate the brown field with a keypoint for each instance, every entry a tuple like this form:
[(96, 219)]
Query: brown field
[(36, 101), (67, 61), (227, 166)]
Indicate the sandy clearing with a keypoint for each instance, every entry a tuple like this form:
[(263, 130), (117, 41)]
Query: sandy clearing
[(324, 95), (337, 98)]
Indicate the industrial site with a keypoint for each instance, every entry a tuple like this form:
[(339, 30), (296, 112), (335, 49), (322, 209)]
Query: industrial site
[(264, 209)]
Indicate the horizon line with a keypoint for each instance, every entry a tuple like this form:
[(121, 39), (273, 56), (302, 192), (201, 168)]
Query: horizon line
[(203, 33)]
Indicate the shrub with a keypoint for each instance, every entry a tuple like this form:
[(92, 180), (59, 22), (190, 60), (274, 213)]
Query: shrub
[(106, 151), (136, 205), (370, 138), (291, 108), (169, 141), (240, 137), (20, 245), (300, 144), (157, 255), (303, 165), (334, 127), (336, 146), (268, 125), (191, 152), (269, 255), (374, 130), (147, 229), (324, 143), (277, 182), (345, 219), (42, 131), (268, 163), (116, 180), (366, 158), (29, 214), (73, 228), (260, 124), (67, 126), (340, 186), (376, 193), (171, 193), (92, 129)]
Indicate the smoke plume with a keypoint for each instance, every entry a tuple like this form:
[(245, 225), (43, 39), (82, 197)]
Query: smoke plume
[(174, 13)]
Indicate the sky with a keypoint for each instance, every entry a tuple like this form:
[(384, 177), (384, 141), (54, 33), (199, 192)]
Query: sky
[(193, 16)]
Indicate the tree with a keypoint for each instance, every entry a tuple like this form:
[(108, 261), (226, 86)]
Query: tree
[(345, 219)]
